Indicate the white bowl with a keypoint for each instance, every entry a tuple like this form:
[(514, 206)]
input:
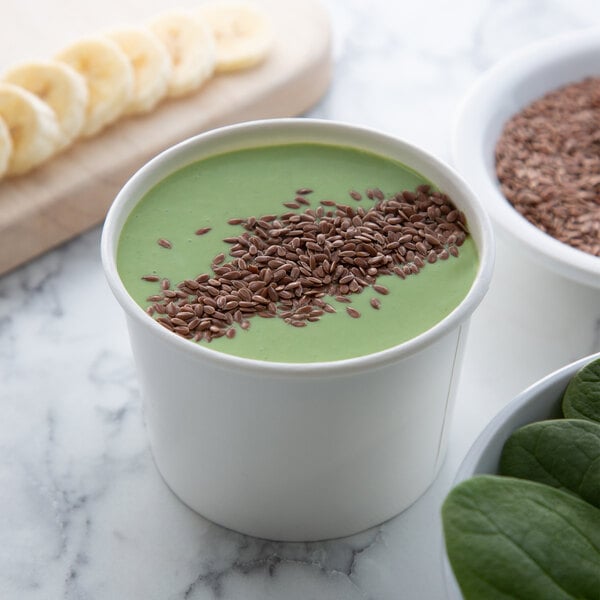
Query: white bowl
[(502, 92), (543, 305), (540, 401), (298, 451)]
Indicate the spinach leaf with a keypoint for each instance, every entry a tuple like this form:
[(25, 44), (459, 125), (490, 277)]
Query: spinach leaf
[(511, 538), (582, 396), (564, 453)]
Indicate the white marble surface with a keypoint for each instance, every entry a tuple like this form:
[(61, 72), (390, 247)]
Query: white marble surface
[(83, 511)]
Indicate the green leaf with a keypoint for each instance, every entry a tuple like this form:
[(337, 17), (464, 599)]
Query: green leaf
[(511, 538), (582, 396), (563, 453)]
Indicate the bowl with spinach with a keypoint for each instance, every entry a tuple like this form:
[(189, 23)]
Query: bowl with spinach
[(523, 519)]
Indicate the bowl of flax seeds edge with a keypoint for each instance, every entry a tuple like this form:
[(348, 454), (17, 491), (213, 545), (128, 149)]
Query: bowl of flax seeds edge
[(526, 139)]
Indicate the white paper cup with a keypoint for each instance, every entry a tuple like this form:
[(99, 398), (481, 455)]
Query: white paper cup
[(298, 451)]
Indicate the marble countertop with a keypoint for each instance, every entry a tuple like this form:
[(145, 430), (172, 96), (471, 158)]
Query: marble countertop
[(84, 513)]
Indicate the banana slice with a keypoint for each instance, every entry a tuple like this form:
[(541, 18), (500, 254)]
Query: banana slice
[(33, 127), (243, 33), (191, 48), (59, 86), (6, 147), (109, 77), (151, 67)]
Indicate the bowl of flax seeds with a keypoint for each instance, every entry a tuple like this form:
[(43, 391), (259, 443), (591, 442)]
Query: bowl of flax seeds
[(527, 139)]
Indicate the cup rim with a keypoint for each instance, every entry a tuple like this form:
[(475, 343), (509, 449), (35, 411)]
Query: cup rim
[(494, 91), (138, 184)]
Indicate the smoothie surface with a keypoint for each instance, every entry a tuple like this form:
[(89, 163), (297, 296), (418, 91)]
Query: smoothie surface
[(256, 182)]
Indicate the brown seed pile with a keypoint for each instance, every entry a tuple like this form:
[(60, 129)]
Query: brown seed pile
[(548, 164), (284, 265)]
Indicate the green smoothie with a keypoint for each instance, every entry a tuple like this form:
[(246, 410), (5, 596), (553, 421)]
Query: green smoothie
[(256, 182)]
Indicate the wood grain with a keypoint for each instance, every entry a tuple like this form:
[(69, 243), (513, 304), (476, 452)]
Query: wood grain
[(72, 192)]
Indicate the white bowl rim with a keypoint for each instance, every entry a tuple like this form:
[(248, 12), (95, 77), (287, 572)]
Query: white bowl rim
[(470, 123), (469, 463), (332, 368), (469, 466)]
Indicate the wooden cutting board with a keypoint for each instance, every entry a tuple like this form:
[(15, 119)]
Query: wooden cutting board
[(72, 192)]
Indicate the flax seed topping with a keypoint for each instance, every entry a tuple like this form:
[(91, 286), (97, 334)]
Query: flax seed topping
[(286, 266), (548, 164)]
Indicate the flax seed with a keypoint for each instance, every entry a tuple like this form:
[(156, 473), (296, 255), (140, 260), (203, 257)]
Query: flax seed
[(420, 248), (553, 182), (185, 315), (381, 289), (352, 312), (375, 303), (194, 323), (218, 259), (283, 265), (432, 240)]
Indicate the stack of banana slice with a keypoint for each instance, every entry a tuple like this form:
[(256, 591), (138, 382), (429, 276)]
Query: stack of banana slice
[(47, 105)]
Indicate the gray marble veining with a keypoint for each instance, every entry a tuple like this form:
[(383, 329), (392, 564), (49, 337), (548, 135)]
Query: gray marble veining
[(83, 511)]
